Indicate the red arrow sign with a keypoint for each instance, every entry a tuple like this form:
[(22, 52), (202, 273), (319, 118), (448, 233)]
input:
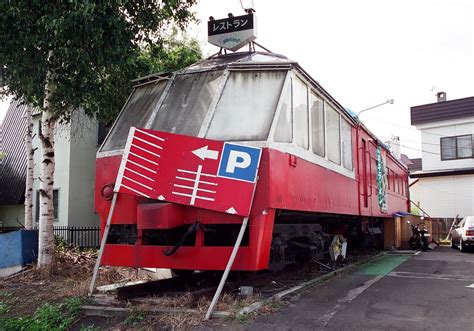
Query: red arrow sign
[(189, 170)]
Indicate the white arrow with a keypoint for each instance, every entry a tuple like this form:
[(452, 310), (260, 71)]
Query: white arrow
[(231, 210), (204, 153)]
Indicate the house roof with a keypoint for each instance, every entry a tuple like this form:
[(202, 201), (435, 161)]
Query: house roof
[(441, 173), (442, 111), (13, 164)]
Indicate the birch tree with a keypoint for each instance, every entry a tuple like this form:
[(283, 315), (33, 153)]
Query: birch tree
[(58, 56), (29, 170)]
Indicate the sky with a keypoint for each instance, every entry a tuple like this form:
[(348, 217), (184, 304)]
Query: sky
[(367, 51)]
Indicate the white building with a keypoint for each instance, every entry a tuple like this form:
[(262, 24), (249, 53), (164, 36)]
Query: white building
[(443, 183), (76, 145)]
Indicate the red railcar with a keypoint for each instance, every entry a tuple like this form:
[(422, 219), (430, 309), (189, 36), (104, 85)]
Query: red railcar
[(321, 170)]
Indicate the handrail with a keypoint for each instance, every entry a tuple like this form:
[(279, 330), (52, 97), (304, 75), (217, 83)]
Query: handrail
[(424, 212)]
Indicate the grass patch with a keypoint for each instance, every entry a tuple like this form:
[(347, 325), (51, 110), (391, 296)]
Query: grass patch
[(47, 317)]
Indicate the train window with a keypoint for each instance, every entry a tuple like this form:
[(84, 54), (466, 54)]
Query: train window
[(247, 105), (135, 113), (187, 103), (317, 124), (346, 137), (300, 113), (284, 128), (333, 134)]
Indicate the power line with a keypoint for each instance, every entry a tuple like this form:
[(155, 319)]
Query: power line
[(405, 127), (420, 150)]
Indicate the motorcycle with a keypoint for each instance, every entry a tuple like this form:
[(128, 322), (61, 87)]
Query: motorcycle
[(419, 238)]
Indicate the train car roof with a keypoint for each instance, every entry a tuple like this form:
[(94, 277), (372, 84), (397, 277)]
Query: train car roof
[(255, 60)]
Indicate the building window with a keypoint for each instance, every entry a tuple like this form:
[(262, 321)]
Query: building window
[(459, 147), (55, 204)]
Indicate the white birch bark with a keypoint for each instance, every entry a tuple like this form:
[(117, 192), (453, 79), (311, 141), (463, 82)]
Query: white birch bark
[(29, 171), (46, 208)]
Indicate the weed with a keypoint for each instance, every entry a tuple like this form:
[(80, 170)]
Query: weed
[(47, 317), (273, 304), (4, 308), (136, 316), (5, 294), (243, 318)]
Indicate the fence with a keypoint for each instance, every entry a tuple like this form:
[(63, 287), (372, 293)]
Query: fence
[(441, 227), (83, 237)]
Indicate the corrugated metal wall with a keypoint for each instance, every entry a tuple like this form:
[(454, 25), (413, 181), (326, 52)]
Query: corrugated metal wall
[(13, 164)]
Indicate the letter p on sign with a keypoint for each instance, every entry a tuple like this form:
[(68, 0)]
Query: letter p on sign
[(239, 162)]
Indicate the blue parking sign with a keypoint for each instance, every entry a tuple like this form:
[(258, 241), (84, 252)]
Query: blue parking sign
[(239, 162)]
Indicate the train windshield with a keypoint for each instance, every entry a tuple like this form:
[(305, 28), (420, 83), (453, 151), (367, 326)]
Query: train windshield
[(136, 112), (187, 103), (247, 106)]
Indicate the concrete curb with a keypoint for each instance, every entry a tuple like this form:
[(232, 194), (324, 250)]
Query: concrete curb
[(280, 295)]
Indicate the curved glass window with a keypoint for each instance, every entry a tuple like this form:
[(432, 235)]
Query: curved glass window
[(284, 128), (346, 139), (317, 124), (333, 134), (187, 103), (247, 106), (300, 113), (136, 112)]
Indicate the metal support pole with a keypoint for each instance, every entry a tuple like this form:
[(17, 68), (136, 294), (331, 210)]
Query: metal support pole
[(102, 245), (227, 269)]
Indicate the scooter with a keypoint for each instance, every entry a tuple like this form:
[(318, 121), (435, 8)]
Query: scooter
[(419, 238)]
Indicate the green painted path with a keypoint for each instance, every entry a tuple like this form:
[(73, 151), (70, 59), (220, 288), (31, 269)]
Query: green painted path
[(382, 265)]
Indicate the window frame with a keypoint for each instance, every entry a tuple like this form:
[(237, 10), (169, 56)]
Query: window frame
[(456, 147)]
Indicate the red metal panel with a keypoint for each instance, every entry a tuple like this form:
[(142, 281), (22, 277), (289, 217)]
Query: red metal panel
[(252, 257), (306, 186)]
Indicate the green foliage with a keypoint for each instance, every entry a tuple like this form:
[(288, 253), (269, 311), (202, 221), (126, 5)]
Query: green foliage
[(60, 243), (136, 316), (47, 317), (4, 308), (243, 318), (98, 46)]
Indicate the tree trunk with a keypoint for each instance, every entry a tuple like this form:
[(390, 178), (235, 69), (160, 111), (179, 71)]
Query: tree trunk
[(29, 171), (46, 210)]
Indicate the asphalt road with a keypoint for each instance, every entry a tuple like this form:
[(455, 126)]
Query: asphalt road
[(423, 292)]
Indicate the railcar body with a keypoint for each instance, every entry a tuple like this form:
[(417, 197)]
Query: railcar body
[(321, 170)]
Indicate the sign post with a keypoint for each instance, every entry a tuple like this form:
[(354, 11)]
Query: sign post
[(227, 270), (102, 245)]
